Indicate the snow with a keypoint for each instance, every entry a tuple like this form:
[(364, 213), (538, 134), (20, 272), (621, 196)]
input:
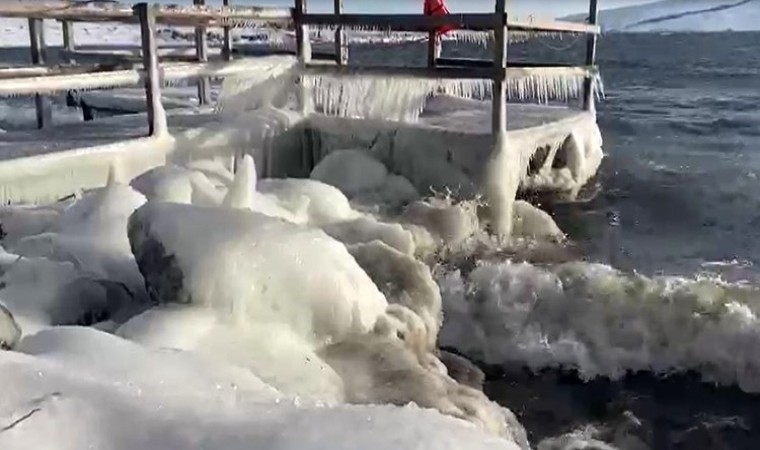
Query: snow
[(79, 388), (676, 15)]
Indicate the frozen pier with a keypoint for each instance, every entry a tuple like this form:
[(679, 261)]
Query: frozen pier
[(305, 105)]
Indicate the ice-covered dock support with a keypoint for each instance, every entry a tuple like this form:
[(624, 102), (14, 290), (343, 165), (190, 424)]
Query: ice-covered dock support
[(156, 116)]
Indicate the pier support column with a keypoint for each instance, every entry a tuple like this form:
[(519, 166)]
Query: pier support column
[(37, 46), (227, 41), (341, 44), (499, 102), (69, 47), (201, 52), (303, 52), (156, 117), (588, 85)]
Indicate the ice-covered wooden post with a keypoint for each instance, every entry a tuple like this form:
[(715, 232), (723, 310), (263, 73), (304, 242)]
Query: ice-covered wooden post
[(37, 46), (227, 42), (201, 52), (147, 17), (341, 45), (69, 47), (303, 52), (588, 85), (499, 111), (433, 48)]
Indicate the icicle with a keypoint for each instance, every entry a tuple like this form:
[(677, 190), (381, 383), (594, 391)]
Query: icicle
[(240, 194)]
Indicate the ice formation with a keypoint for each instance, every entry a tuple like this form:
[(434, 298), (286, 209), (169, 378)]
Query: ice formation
[(76, 387)]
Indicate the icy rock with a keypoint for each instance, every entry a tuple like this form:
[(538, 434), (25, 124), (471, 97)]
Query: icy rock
[(452, 223), (352, 171), (321, 202), (531, 222), (17, 222), (462, 370), (404, 281), (10, 332), (376, 369), (42, 293), (91, 234), (254, 269), (396, 191), (367, 229)]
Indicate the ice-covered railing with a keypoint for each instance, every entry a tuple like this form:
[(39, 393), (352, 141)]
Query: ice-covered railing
[(196, 15), (44, 79)]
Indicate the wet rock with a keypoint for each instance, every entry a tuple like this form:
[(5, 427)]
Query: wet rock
[(10, 332)]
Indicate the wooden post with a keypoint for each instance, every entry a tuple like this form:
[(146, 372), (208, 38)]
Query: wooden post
[(227, 43), (303, 52), (434, 48), (499, 111), (147, 17), (341, 45), (588, 86), (37, 46), (201, 52), (69, 47)]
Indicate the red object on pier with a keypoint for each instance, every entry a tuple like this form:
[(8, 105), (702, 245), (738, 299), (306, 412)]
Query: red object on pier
[(438, 8)]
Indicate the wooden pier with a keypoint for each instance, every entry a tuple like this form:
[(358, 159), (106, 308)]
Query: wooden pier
[(149, 64), (16, 81)]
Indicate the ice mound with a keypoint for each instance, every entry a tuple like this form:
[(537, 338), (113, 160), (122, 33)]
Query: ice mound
[(602, 322), (405, 282), (274, 353), (322, 203), (367, 229), (364, 179), (91, 234), (178, 184), (533, 223), (77, 388), (351, 171), (451, 223), (246, 252)]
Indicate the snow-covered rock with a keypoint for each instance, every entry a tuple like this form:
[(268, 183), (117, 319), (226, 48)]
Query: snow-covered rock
[(254, 268)]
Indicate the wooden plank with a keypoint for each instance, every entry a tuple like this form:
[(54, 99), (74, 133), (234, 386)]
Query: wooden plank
[(474, 62), (404, 22), (165, 14), (37, 46), (27, 72), (416, 72), (499, 100), (201, 53), (552, 26), (341, 43), (147, 17), (227, 40), (588, 85)]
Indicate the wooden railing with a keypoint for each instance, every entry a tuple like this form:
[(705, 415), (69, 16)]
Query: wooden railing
[(18, 81), (495, 68)]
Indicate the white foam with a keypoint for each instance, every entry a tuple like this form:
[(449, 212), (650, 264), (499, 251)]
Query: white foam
[(602, 322)]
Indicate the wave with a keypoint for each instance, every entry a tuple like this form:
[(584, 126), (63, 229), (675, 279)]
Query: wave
[(602, 322)]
